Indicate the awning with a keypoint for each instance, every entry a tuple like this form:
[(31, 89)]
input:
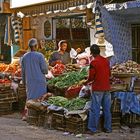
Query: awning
[(58, 8), (123, 6), (129, 10)]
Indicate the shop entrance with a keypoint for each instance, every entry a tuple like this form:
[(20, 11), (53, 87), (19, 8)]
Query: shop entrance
[(136, 42)]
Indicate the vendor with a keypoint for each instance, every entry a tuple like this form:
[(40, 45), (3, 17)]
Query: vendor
[(60, 56)]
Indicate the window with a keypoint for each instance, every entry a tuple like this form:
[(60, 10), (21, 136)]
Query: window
[(74, 30), (136, 42)]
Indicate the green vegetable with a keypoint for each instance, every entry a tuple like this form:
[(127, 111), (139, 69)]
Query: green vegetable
[(69, 79), (74, 104)]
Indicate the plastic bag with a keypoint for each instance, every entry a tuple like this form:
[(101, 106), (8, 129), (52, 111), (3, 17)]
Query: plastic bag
[(85, 90), (73, 53), (49, 75)]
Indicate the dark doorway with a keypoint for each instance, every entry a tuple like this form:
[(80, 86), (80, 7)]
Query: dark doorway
[(136, 42)]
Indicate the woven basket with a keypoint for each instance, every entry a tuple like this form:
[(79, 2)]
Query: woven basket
[(75, 124), (58, 121)]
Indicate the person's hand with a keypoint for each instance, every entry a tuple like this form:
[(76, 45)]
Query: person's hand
[(78, 50)]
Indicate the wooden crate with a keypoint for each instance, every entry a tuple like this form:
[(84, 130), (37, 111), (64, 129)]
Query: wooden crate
[(41, 119), (35, 117), (48, 120), (131, 119), (116, 106), (32, 117), (119, 87), (5, 108), (58, 121), (75, 124)]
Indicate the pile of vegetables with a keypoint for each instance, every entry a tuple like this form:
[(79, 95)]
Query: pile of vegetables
[(74, 104), (69, 79), (115, 80), (58, 69), (71, 67), (126, 68)]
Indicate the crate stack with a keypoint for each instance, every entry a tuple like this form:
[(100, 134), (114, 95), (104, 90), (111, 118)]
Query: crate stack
[(72, 124), (116, 113), (7, 98), (21, 95), (36, 117)]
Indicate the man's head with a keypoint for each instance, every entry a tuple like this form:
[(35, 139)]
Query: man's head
[(94, 50), (33, 44), (62, 45)]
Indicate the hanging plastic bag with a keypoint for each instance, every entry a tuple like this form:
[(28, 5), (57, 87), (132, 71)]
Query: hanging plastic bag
[(73, 53), (85, 91)]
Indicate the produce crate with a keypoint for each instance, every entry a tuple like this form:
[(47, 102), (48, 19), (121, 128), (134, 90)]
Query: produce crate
[(35, 117), (21, 95), (7, 97), (116, 120), (58, 121), (51, 88), (41, 119), (48, 120), (5, 108), (116, 106), (119, 87), (32, 117), (75, 124), (59, 91), (116, 117), (131, 119), (137, 86)]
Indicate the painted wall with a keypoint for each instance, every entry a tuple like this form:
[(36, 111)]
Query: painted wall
[(37, 24)]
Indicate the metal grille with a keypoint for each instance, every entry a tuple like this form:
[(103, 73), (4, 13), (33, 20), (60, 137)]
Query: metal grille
[(136, 42)]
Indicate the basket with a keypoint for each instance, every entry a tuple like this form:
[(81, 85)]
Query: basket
[(75, 124), (32, 117), (59, 91), (41, 119), (58, 121), (48, 120), (73, 92)]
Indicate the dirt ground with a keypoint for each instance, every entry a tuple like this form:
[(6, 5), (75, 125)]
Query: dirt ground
[(13, 128)]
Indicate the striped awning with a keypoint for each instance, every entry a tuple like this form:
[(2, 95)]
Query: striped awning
[(57, 8)]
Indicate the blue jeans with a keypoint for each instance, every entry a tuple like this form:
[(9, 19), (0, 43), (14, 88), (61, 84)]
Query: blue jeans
[(100, 99)]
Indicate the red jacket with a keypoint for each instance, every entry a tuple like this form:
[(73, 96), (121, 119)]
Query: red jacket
[(99, 74)]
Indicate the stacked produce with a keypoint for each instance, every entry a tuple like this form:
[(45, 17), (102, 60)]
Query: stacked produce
[(18, 72), (72, 67), (128, 67), (68, 79), (74, 104), (116, 80), (3, 67), (58, 69), (5, 82)]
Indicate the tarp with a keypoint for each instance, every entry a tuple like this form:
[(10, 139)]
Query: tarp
[(130, 102)]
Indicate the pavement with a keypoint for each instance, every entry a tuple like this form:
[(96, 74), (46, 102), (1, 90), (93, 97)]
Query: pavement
[(13, 128)]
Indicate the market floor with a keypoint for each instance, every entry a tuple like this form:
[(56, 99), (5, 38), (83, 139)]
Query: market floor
[(13, 128)]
